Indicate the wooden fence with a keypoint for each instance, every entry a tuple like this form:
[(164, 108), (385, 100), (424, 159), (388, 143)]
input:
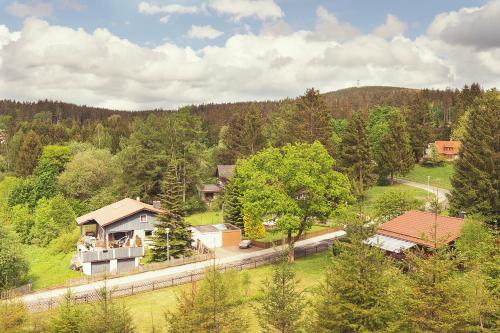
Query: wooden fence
[(174, 280), (16, 291)]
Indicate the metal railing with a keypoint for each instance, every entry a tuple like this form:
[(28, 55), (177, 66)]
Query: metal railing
[(113, 253)]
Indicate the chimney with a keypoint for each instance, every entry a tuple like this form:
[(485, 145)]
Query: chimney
[(138, 199), (157, 204)]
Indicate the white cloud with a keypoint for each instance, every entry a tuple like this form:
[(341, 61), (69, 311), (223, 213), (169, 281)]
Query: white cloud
[(478, 27), (151, 9), (238, 9), (165, 19), (72, 4), (33, 8), (98, 68), (329, 27), (204, 32), (392, 27), (277, 28)]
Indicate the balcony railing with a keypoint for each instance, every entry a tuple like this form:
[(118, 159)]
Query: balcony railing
[(108, 254)]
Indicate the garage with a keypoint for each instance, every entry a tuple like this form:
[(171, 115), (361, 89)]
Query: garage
[(125, 265), (100, 267)]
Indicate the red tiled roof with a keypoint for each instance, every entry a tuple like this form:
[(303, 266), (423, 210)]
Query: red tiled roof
[(418, 227), (448, 147)]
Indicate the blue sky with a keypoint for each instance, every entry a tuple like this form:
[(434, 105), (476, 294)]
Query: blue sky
[(122, 17), (168, 53)]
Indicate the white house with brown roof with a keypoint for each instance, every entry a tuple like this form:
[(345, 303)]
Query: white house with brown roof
[(114, 236)]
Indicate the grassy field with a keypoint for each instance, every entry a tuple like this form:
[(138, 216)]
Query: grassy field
[(48, 269), (148, 308), (375, 192), (439, 176), (210, 217)]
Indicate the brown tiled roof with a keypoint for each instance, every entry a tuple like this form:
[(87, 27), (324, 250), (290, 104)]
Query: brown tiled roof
[(448, 147), (418, 227), (116, 211), (225, 171)]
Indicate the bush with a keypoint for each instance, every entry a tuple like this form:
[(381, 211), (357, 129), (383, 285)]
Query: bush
[(195, 205), (13, 317), (65, 243), (394, 203), (13, 267)]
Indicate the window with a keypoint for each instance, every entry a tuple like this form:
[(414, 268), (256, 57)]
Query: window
[(143, 218), (149, 233)]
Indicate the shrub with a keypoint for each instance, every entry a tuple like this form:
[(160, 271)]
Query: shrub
[(65, 243)]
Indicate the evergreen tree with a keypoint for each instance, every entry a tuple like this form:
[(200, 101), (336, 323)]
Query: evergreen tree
[(355, 158), (179, 234), (244, 135), (68, 319), (395, 149), (28, 154), (476, 180), (211, 307), (311, 121), (281, 304), (420, 126), (106, 316), (233, 205), (50, 164), (438, 302), (13, 317), (361, 291)]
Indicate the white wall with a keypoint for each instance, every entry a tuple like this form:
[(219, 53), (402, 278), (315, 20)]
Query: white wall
[(210, 239)]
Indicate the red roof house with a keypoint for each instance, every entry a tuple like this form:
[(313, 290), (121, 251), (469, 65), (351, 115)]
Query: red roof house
[(416, 228), (448, 149)]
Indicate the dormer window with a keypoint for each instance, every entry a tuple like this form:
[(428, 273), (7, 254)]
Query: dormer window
[(143, 218)]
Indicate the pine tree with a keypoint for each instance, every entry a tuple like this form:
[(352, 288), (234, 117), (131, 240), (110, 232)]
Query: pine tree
[(177, 241), (359, 291), (69, 317), (438, 302), (476, 180), (420, 126), (233, 205), (28, 154), (395, 149), (213, 306), (355, 157), (106, 316), (281, 305), (244, 134), (311, 121)]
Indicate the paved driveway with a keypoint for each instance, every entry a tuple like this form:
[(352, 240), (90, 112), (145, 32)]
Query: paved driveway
[(441, 192)]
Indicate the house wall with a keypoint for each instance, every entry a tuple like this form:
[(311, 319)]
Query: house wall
[(209, 239), (133, 223), (231, 237)]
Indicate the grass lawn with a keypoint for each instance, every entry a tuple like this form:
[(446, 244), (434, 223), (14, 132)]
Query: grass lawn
[(377, 191), (210, 217), (440, 176), (148, 308), (48, 269), (274, 236)]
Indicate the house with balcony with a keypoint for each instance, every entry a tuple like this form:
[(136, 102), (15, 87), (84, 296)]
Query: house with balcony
[(210, 191), (113, 238)]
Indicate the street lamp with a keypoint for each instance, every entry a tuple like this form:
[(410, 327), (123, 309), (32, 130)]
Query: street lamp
[(168, 244)]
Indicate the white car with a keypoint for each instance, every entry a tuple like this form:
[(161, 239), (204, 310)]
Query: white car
[(245, 244)]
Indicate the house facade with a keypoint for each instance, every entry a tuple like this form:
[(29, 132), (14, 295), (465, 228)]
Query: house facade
[(210, 191), (114, 237), (447, 150), (215, 235)]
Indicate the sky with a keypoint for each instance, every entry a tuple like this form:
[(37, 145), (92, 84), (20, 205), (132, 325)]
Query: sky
[(137, 55)]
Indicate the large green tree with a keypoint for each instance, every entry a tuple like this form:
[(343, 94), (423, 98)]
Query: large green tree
[(243, 135), (211, 307), (13, 266), (281, 305), (295, 185), (395, 150), (233, 200), (311, 121), (476, 180), (53, 217), (361, 291), (355, 157), (420, 126), (172, 235), (29, 152), (50, 164)]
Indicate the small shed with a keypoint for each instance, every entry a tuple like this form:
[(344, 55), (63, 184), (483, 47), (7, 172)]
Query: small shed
[(216, 235)]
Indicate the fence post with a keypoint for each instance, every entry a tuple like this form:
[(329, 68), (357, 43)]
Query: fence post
[(316, 248), (132, 289), (153, 285), (191, 277)]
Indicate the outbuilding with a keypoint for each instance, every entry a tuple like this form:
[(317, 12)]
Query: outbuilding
[(216, 235)]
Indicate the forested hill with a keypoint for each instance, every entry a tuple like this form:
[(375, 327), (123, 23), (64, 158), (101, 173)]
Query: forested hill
[(342, 103)]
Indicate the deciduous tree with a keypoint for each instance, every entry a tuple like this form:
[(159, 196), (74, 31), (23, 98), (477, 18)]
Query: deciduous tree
[(13, 266), (28, 154)]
